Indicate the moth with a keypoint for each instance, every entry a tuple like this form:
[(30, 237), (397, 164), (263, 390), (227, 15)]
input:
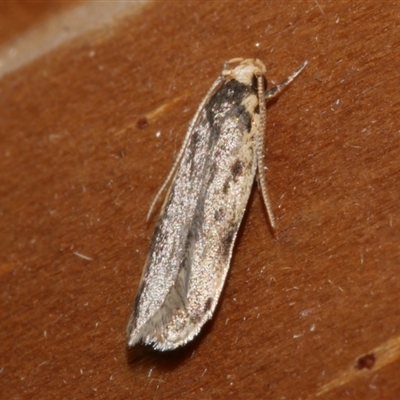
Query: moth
[(212, 178)]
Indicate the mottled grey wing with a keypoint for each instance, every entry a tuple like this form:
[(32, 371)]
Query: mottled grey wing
[(193, 240)]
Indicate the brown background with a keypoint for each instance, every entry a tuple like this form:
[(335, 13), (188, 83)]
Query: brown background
[(302, 306)]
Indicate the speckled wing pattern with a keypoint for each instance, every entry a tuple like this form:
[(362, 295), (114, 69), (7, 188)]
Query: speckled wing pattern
[(192, 243)]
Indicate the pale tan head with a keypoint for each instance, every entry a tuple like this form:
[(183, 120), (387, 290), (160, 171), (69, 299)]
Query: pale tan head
[(244, 71)]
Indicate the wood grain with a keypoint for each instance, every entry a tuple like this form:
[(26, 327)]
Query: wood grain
[(17, 17), (309, 311)]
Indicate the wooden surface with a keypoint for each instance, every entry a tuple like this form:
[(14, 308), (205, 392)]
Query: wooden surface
[(309, 312)]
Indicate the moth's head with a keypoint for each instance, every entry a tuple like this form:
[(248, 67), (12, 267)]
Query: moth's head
[(244, 71)]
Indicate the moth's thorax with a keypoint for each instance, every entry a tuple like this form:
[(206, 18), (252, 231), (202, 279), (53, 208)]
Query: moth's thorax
[(244, 71)]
